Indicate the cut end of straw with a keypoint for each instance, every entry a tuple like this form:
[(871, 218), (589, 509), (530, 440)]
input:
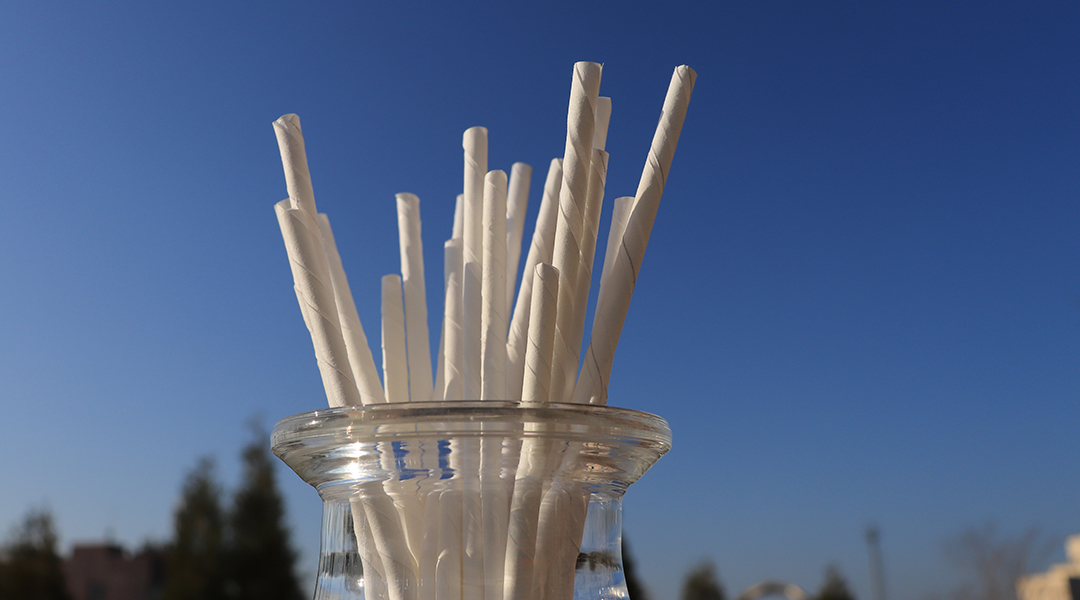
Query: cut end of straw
[(289, 121)]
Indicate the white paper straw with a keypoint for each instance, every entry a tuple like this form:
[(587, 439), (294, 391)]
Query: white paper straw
[(603, 119), (540, 251), (493, 317), (522, 562), (448, 571), (418, 343), (593, 384), (593, 204), (459, 218), (406, 503), (374, 572), (384, 521), (428, 558), (396, 517), (294, 158), (472, 518), (361, 360), (440, 374), (495, 491), (536, 456), (453, 377), (545, 299), (395, 365), (474, 143), (580, 127), (619, 215), (314, 292), (517, 202), (440, 363), (559, 534)]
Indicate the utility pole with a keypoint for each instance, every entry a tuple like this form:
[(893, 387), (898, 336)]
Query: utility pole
[(877, 570)]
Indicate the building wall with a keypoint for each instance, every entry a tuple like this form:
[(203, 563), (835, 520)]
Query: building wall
[(107, 572)]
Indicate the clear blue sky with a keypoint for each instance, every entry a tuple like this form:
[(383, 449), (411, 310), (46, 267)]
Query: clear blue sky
[(860, 303)]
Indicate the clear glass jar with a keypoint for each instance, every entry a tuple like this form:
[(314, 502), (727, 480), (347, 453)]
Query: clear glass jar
[(471, 500)]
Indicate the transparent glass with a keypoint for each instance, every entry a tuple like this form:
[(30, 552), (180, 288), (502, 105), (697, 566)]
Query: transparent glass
[(471, 500)]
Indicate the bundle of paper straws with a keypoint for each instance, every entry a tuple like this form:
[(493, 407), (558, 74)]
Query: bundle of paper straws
[(514, 546)]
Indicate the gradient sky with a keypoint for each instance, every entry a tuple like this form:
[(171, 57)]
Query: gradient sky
[(860, 303)]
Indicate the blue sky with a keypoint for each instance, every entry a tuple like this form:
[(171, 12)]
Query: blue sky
[(860, 303)]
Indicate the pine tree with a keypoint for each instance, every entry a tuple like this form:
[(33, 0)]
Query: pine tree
[(261, 559), (834, 587), (30, 567), (702, 584), (194, 569), (634, 589)]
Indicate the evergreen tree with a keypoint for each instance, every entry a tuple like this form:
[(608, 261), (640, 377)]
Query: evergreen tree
[(262, 561), (834, 587), (30, 567), (633, 587), (194, 569), (702, 584)]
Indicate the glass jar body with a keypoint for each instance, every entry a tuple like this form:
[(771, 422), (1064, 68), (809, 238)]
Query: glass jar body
[(471, 501)]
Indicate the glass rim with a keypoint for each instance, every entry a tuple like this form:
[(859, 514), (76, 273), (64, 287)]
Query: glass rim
[(345, 419)]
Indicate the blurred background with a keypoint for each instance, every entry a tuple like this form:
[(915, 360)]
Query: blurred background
[(859, 310)]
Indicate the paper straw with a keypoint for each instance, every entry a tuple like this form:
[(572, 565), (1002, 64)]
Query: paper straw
[(593, 204), (405, 502), (427, 561), (536, 454), (293, 157), (361, 360), (390, 543), (459, 218), (314, 292), (453, 377), (517, 202), (594, 200), (493, 317), (396, 515), (559, 533), (418, 344), (619, 215), (448, 569), (440, 374), (545, 298), (472, 519), (603, 119), (495, 489), (580, 127), (593, 384), (395, 365), (540, 251), (522, 562), (440, 363), (374, 572), (474, 143)]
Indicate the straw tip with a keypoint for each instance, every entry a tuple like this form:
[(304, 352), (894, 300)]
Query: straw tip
[(685, 72), (289, 120), (588, 66), (495, 177), (547, 271)]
